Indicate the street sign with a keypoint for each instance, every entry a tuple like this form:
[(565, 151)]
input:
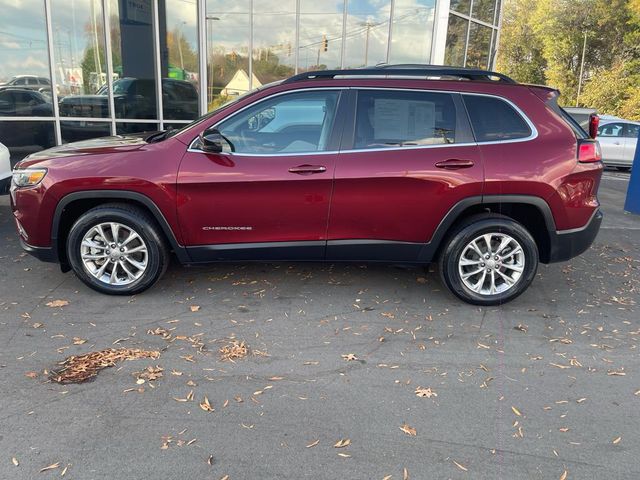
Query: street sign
[(633, 192)]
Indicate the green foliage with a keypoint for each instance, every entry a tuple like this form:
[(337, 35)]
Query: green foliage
[(542, 42)]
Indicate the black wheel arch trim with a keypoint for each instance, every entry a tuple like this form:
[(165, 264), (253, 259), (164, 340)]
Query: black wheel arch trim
[(430, 249), (179, 250)]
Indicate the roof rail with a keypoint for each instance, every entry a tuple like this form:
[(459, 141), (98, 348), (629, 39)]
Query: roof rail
[(405, 70)]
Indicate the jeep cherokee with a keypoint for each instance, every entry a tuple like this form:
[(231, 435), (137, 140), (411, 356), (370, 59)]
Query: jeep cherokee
[(399, 163)]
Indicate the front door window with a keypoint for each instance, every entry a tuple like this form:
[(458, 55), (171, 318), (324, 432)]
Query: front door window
[(293, 123)]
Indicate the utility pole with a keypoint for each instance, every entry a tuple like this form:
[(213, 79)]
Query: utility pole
[(366, 43), (584, 50)]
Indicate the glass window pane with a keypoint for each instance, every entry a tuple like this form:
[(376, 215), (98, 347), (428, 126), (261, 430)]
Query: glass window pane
[(367, 33), (228, 32), (81, 67), (129, 128), (493, 119), (132, 49), (274, 40), (293, 123), (399, 119), (320, 35), (461, 6), (484, 10), (479, 46), (456, 40), (77, 131), (611, 130), (24, 54), (412, 31), (179, 54), (23, 138)]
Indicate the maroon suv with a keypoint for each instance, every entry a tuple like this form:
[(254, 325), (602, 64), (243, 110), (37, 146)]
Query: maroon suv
[(402, 164)]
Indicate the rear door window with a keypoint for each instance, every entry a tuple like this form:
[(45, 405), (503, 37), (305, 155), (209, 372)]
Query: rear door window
[(391, 119), (494, 120), (632, 130)]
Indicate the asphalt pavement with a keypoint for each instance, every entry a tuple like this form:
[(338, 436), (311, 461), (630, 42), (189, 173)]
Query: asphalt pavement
[(379, 360)]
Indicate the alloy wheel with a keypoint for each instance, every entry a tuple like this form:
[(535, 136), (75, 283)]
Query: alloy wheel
[(491, 264), (114, 254)]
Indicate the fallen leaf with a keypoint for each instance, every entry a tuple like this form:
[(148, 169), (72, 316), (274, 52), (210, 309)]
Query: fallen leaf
[(405, 474), (617, 440), (205, 405), (350, 357), (14, 460), (64, 471), (461, 467), (226, 477), (31, 374), (342, 443), (210, 460), (516, 411), (57, 303), (425, 392), (194, 308), (345, 455), (564, 475), (313, 444), (78, 341), (50, 467), (408, 430)]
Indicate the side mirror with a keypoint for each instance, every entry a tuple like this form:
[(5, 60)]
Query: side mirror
[(594, 122), (211, 141)]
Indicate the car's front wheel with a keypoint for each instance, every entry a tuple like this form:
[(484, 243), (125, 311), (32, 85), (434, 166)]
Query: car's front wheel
[(117, 249), (489, 261)]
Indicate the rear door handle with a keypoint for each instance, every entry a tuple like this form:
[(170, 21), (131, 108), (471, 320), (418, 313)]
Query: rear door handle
[(308, 169), (455, 164)]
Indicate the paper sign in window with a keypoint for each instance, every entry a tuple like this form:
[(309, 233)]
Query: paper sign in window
[(403, 121)]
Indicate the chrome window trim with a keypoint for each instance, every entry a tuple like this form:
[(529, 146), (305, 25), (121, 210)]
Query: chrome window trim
[(530, 124)]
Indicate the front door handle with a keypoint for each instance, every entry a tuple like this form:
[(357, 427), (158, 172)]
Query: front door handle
[(308, 169), (455, 164)]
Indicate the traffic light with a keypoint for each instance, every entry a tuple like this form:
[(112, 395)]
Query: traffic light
[(325, 43)]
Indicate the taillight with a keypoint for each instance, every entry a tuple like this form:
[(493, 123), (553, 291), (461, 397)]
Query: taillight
[(594, 122), (589, 151)]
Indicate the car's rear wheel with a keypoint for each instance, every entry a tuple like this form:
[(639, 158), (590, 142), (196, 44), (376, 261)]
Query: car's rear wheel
[(489, 261), (117, 249)]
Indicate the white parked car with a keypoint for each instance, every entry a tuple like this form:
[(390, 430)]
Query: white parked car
[(5, 169), (618, 139)]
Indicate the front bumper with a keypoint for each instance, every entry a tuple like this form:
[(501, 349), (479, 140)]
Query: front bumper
[(571, 243), (45, 254)]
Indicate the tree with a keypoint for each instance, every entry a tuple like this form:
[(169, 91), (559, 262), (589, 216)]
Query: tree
[(542, 42), (520, 54)]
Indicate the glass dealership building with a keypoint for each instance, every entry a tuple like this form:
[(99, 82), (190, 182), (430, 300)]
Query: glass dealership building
[(71, 70)]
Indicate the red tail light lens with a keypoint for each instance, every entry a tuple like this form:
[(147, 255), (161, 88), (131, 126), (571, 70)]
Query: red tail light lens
[(589, 151), (594, 122)]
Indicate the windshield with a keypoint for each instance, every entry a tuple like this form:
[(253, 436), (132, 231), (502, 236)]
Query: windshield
[(119, 87), (222, 107)]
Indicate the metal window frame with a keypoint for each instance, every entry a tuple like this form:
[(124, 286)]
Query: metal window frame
[(495, 30)]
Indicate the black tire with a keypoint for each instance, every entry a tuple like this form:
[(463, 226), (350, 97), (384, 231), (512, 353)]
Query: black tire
[(135, 219), (463, 235), (624, 169)]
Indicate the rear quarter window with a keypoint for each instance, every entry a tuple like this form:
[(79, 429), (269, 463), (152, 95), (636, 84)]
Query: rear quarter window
[(494, 120)]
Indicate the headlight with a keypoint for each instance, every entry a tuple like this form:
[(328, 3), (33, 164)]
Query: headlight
[(29, 177)]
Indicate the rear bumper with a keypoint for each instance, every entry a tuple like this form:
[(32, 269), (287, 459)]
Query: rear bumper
[(45, 254), (571, 243)]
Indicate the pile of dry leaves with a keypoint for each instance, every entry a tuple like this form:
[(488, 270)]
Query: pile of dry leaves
[(77, 369), (233, 350)]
